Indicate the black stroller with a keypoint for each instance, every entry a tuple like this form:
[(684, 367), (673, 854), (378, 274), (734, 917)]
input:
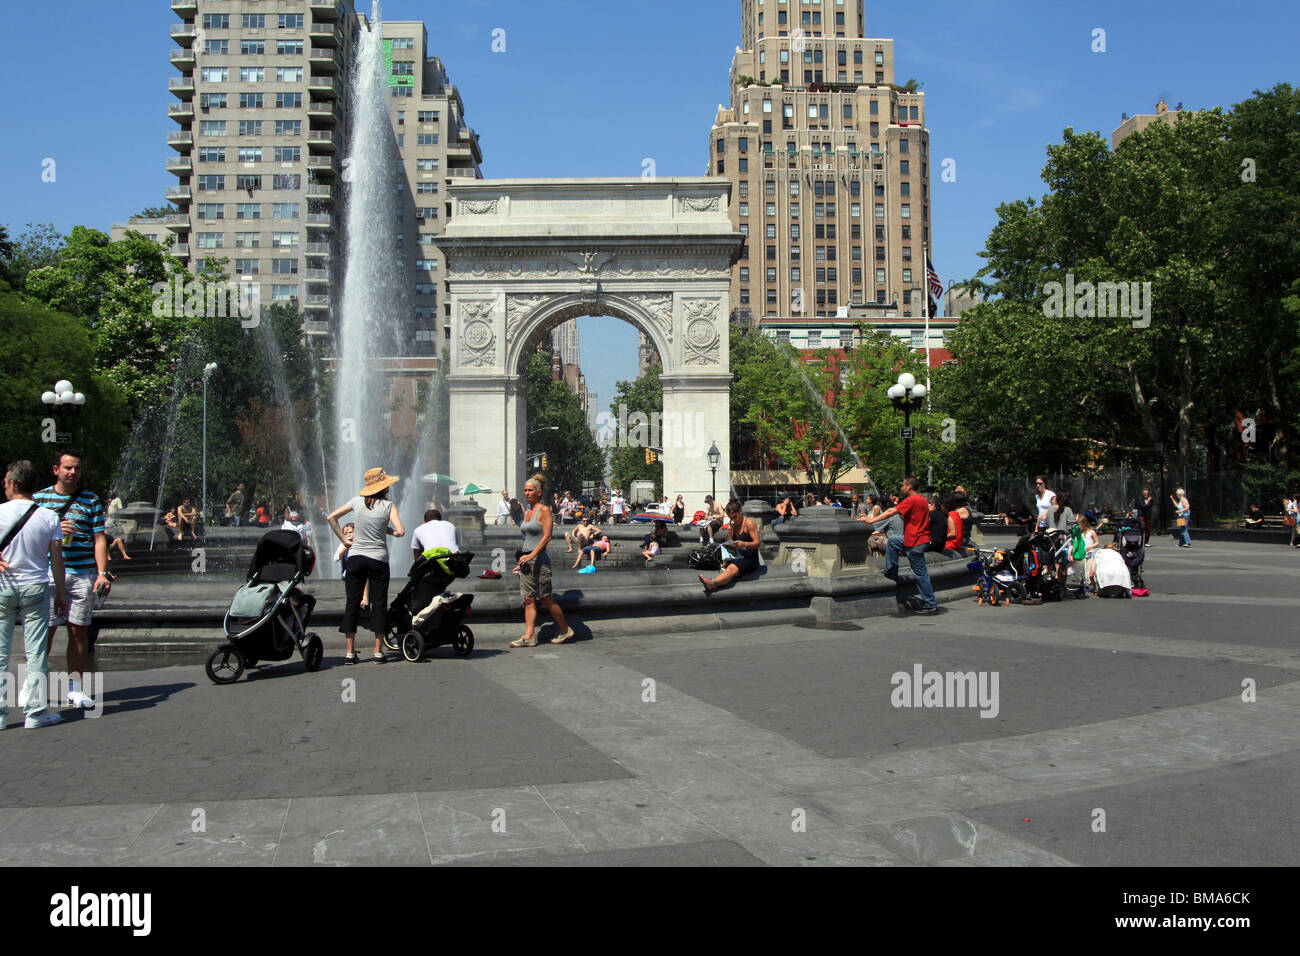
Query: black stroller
[(1129, 537), (268, 616), (422, 616), (1035, 559)]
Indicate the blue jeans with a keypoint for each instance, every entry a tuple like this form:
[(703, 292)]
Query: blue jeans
[(33, 603), (1187, 538), (916, 558)]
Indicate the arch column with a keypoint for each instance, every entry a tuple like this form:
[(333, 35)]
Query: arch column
[(697, 412)]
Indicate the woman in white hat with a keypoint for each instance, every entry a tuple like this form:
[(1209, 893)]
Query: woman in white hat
[(368, 557)]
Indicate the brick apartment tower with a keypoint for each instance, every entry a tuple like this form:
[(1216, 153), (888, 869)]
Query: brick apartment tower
[(829, 162)]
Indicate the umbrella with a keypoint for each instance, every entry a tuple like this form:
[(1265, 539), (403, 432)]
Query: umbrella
[(473, 489), (434, 478)]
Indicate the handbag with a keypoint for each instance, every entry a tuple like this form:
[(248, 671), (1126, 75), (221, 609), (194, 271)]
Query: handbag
[(1289, 521), (1182, 522)]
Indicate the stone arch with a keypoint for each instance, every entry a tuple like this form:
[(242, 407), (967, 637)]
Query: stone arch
[(550, 313)]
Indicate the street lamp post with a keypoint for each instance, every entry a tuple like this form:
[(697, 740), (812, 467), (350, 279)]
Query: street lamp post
[(715, 458), (207, 373), (64, 401), (907, 396)]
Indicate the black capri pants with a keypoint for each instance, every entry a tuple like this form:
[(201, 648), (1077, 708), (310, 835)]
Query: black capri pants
[(360, 570)]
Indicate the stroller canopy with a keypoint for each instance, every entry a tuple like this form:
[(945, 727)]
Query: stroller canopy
[(283, 548)]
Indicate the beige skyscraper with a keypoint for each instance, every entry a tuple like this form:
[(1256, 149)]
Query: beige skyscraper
[(829, 160)]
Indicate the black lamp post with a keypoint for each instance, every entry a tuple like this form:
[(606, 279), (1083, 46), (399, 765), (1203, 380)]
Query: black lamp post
[(907, 396), (715, 458)]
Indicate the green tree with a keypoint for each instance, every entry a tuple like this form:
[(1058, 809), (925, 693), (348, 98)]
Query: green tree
[(156, 212), (36, 248), (636, 406), (42, 346), (572, 454)]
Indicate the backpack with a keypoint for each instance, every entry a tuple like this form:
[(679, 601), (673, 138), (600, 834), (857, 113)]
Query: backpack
[(704, 559), (1078, 547)]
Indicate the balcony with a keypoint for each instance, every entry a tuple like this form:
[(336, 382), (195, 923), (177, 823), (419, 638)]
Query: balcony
[(316, 301), (462, 172), (316, 327), (324, 111), (179, 165), (317, 191), (181, 140), (318, 275), (325, 86), (184, 33), (178, 195), (321, 165), (320, 220), (318, 248), (329, 10), (181, 250), (181, 112), (181, 87), (324, 60), (320, 141), (177, 223), (182, 59), (324, 34), (185, 9)]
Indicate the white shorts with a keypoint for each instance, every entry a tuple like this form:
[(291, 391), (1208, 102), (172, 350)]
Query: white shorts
[(80, 590)]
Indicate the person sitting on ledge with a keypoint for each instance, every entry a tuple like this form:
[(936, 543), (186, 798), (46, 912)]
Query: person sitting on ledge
[(740, 553), (655, 540), (600, 545), (1254, 518), (585, 533)]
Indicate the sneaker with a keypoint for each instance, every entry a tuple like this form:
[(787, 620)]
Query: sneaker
[(349, 658), (44, 719), (77, 699), (22, 696), (891, 573), (380, 659), (928, 609)]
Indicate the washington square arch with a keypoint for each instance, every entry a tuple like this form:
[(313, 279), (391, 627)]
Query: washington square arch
[(523, 256)]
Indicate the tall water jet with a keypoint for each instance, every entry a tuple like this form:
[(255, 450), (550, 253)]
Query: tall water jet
[(376, 301)]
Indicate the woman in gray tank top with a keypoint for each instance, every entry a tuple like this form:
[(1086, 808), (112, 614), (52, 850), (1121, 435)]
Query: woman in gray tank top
[(534, 567), (374, 519)]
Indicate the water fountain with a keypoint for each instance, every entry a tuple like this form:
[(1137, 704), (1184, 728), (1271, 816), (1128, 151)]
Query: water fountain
[(375, 299)]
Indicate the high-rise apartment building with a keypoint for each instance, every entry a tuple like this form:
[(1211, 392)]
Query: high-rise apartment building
[(263, 101), (829, 161)]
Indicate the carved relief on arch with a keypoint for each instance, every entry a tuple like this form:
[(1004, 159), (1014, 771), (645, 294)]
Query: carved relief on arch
[(701, 341), (659, 306), (517, 309), (477, 339)]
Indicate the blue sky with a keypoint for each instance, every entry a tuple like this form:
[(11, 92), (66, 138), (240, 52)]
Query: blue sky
[(588, 88)]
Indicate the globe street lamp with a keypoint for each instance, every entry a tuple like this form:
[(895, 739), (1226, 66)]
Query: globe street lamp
[(207, 372), (715, 458), (64, 401), (907, 396)]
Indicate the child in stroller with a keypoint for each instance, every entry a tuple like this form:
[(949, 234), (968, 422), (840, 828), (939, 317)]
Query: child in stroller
[(423, 615), (268, 616), (1129, 536)]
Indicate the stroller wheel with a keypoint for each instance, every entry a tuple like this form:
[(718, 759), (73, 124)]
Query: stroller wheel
[(313, 653), (392, 642), (412, 646), (226, 665), (463, 642)]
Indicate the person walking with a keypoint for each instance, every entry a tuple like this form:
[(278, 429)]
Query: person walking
[(503, 508), (1291, 507), (915, 512), (1046, 501), (534, 566), (1142, 506), (85, 561), (1183, 516), (374, 520), (617, 506), (31, 551), (679, 510), (235, 505)]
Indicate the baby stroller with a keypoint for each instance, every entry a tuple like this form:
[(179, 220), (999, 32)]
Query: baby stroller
[(422, 616), (1035, 558), (999, 582), (1129, 536), (268, 616)]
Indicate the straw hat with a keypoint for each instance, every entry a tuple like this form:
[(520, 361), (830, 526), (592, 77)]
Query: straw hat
[(377, 481)]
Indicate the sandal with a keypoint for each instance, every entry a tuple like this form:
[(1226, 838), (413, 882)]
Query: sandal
[(524, 642)]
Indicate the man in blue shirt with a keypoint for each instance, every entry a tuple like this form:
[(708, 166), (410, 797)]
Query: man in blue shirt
[(85, 558)]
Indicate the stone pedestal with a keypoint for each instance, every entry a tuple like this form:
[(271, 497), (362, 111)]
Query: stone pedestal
[(824, 541), (468, 519), (760, 512)]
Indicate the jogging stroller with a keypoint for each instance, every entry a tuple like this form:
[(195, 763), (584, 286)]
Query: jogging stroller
[(268, 616), (1129, 537), (422, 616)]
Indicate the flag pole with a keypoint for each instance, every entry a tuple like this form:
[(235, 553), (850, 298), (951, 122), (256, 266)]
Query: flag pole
[(925, 249)]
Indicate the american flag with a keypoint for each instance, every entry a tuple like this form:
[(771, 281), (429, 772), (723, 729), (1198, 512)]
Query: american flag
[(932, 279)]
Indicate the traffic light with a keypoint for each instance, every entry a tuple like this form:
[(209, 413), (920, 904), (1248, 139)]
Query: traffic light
[(544, 463), (650, 456)]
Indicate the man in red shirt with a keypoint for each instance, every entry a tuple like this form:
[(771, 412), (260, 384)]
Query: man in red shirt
[(915, 512)]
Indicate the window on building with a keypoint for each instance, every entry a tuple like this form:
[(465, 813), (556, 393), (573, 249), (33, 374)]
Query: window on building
[(288, 47), (288, 101), (246, 267), (284, 240), (286, 181), (210, 240), (288, 154), (251, 47), (254, 21), (284, 210), (250, 154), (426, 139), (212, 154), (284, 267), (248, 210), (290, 21), (248, 240), (905, 211), (288, 74), (250, 101), (427, 116), (211, 182), (210, 210)]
